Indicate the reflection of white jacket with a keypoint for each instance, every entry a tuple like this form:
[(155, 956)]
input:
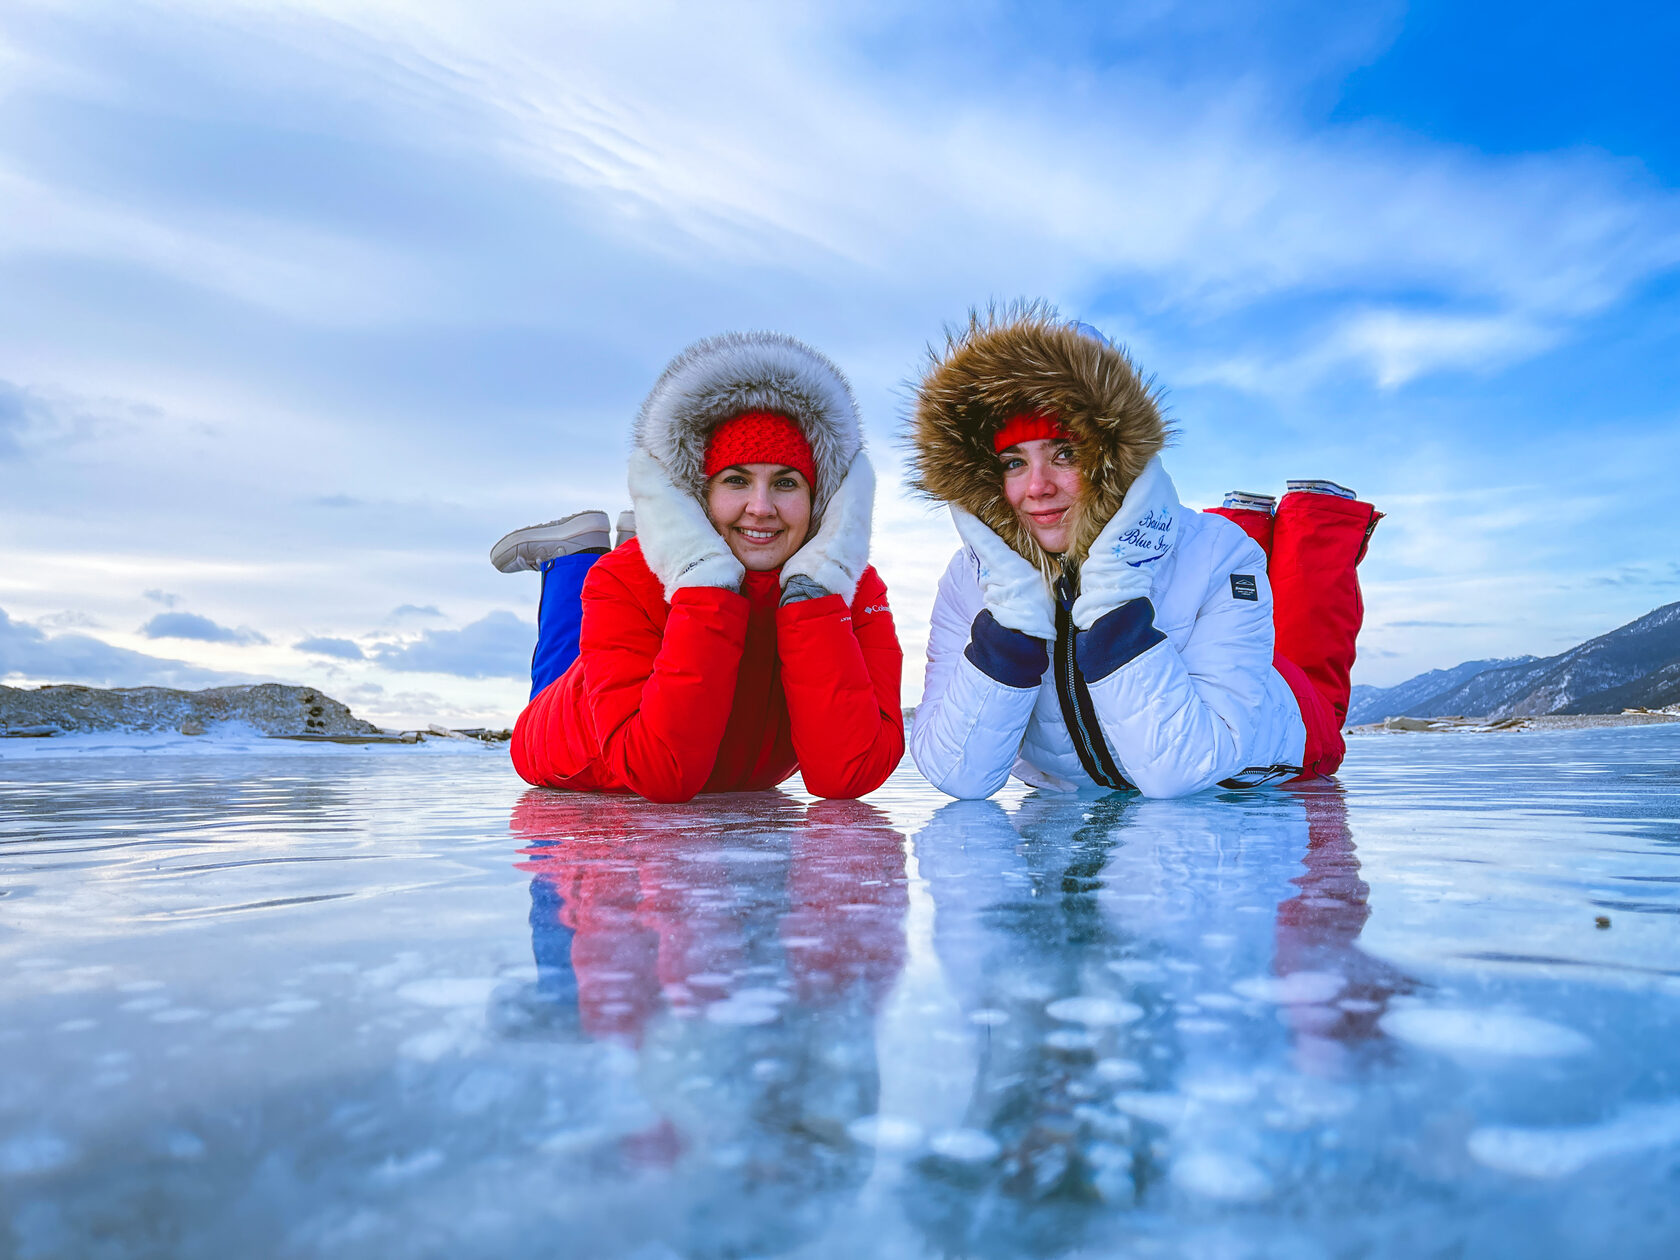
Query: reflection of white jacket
[(1189, 710)]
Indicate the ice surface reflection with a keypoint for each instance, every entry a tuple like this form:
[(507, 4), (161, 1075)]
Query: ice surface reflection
[(388, 1005)]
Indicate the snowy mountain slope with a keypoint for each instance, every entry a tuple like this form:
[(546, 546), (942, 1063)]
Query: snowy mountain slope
[(1657, 690), (1580, 680), (1373, 704)]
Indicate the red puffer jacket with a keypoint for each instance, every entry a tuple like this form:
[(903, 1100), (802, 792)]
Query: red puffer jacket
[(717, 691)]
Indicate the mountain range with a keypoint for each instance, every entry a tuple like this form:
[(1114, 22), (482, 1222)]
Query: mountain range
[(1633, 666)]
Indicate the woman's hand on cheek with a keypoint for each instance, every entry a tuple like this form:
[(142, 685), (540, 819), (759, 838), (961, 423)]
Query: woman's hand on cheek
[(679, 543), (1121, 564), (835, 556), (1015, 591)]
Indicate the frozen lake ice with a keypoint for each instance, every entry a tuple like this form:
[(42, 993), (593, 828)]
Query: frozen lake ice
[(281, 1002)]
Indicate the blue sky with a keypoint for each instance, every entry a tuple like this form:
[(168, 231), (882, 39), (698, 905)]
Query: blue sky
[(303, 305)]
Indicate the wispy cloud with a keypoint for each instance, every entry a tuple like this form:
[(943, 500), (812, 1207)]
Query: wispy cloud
[(27, 652), (340, 649), (184, 625), (495, 646)]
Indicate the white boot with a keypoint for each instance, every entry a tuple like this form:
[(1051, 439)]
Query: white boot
[(1321, 487), (531, 547), (626, 528)]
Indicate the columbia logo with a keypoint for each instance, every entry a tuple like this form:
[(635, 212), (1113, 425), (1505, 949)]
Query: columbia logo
[(875, 608)]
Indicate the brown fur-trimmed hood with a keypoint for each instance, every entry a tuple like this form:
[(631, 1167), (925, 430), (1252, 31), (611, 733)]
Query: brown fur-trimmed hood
[(1027, 358), (724, 376)]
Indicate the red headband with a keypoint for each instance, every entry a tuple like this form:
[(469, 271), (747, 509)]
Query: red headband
[(1026, 427), (760, 437)]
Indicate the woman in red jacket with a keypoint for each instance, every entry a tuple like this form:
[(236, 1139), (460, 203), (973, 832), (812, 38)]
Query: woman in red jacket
[(741, 634)]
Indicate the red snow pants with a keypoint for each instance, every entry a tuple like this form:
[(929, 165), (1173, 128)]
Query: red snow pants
[(1313, 544)]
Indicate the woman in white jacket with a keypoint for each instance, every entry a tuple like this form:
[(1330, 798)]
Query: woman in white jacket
[(1092, 631)]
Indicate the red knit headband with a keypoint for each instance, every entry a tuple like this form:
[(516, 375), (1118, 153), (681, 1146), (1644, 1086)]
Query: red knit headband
[(1028, 426), (760, 437)]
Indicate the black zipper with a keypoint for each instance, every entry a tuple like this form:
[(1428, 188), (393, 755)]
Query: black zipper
[(1078, 712)]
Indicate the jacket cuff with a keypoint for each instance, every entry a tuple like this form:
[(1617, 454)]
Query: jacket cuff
[(1117, 638), (1004, 655)]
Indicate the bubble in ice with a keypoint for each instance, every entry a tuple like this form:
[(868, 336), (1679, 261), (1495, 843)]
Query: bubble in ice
[(1298, 988), (1219, 1001), (763, 996), (1220, 1175), (448, 991), (428, 1047), (38, 1152), (177, 1015), (1157, 1108), (1070, 1039), (182, 1144), (737, 1010), (1119, 1071), (1310, 1099), (988, 1016), (1471, 1033), (1200, 1027), (1562, 1152), (966, 1146), (1220, 1087), (1094, 1012), (886, 1133), (402, 1168), (1136, 968)]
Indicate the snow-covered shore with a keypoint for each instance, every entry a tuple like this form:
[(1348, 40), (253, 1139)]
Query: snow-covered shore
[(236, 738)]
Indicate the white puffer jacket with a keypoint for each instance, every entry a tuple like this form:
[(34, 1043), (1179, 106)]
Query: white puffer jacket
[(1155, 671), (1195, 709)]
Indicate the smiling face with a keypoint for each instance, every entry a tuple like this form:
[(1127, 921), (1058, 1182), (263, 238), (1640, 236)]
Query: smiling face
[(763, 512), (1041, 480)]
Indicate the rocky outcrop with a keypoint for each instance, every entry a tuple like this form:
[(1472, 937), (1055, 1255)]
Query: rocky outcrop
[(272, 708)]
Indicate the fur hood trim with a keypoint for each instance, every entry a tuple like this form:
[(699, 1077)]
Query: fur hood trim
[(722, 377), (1027, 358)]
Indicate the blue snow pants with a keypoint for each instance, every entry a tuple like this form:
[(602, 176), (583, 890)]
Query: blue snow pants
[(559, 617)]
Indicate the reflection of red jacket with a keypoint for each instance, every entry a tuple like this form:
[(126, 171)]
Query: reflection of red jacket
[(717, 691), (662, 918)]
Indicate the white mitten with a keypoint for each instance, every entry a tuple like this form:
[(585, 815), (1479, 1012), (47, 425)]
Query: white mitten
[(678, 542), (834, 557), (1015, 592), (1122, 561)]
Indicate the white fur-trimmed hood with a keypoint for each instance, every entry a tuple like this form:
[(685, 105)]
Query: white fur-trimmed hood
[(722, 377)]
